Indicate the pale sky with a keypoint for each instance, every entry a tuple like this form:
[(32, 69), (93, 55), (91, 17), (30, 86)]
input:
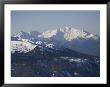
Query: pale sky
[(46, 20)]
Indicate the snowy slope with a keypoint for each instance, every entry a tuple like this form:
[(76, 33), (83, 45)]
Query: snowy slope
[(75, 39), (21, 35), (25, 46), (26, 35), (79, 40), (63, 52), (21, 46), (68, 34)]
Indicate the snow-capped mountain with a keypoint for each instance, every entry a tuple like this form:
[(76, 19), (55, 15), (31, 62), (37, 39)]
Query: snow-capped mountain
[(21, 35), (25, 46), (60, 52), (79, 40), (21, 46), (44, 60), (74, 39), (33, 36), (68, 34)]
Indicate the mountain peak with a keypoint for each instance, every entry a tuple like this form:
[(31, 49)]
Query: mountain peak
[(20, 33), (72, 38), (49, 33), (69, 33)]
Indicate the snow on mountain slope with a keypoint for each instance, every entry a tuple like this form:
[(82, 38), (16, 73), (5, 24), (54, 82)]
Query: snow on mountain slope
[(75, 39), (22, 35), (25, 46), (48, 33), (68, 34), (21, 46), (26, 35), (50, 46), (66, 52), (38, 42)]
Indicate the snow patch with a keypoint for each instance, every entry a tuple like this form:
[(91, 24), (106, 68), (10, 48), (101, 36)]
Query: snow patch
[(75, 60), (50, 45), (21, 46)]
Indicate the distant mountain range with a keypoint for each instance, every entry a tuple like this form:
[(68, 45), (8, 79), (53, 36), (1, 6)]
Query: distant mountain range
[(60, 52), (73, 39)]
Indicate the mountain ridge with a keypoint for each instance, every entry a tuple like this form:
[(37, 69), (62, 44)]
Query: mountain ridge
[(79, 40)]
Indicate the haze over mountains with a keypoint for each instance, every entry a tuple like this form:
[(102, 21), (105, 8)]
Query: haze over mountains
[(59, 52), (73, 39)]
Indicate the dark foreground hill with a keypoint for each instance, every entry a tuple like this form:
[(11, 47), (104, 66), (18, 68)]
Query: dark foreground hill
[(54, 63)]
